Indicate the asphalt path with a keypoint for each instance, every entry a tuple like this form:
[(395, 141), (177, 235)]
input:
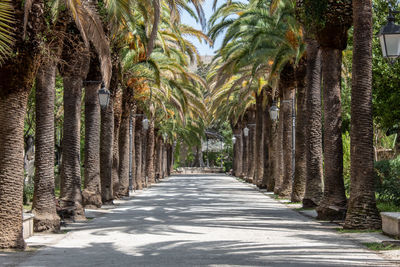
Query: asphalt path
[(202, 220)]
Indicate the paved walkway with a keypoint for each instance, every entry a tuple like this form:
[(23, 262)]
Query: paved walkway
[(202, 221)]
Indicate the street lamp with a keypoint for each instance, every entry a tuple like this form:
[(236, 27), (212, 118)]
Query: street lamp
[(274, 111), (233, 139), (389, 37), (104, 96), (246, 131), (145, 124)]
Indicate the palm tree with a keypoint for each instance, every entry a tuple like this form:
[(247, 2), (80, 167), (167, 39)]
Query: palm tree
[(44, 200), (299, 182), (288, 95), (150, 153), (17, 76), (259, 140), (91, 193), (362, 212), (237, 148), (6, 30), (74, 71), (333, 19), (313, 189), (138, 155)]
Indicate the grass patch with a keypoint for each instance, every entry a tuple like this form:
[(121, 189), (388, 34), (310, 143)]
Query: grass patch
[(380, 246), (351, 231), (387, 207), (294, 203), (28, 207)]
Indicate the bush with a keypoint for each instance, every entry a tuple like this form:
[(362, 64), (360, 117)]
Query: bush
[(346, 162), (28, 193), (387, 175)]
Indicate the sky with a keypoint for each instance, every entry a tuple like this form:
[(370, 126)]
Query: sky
[(203, 48)]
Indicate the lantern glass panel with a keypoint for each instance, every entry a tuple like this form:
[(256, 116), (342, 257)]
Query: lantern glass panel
[(390, 44), (145, 124), (246, 131), (104, 97)]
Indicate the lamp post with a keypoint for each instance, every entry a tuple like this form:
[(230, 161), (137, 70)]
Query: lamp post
[(246, 131), (104, 96), (389, 37), (274, 112)]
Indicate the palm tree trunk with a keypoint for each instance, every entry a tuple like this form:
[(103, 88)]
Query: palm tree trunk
[(333, 203), (106, 152), (138, 155), (259, 143), (124, 144), (300, 171), (252, 144), (117, 126), (92, 192), (170, 159), (278, 174), (362, 212), (273, 155), (165, 159), (237, 148), (44, 199), (143, 159), (266, 182), (245, 156), (71, 194), (133, 149), (313, 190), (286, 187), (150, 153), (12, 114)]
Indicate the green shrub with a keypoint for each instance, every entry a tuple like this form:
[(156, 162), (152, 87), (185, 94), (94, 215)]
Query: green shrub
[(346, 162), (387, 175), (28, 193)]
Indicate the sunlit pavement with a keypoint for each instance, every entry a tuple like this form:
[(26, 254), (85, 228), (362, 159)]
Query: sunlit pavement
[(202, 220)]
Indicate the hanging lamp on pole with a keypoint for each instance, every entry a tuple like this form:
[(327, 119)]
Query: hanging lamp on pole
[(246, 131), (274, 111), (104, 96), (389, 37)]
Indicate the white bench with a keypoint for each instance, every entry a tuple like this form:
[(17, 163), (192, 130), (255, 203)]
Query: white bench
[(27, 225), (391, 223)]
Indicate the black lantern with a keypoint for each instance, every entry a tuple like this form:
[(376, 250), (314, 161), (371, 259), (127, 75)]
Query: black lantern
[(104, 96), (389, 37)]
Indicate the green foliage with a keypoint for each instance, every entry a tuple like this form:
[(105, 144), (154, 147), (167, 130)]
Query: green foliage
[(351, 231), (312, 13), (28, 194), (387, 174), (380, 246), (346, 161), (386, 76), (387, 206)]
